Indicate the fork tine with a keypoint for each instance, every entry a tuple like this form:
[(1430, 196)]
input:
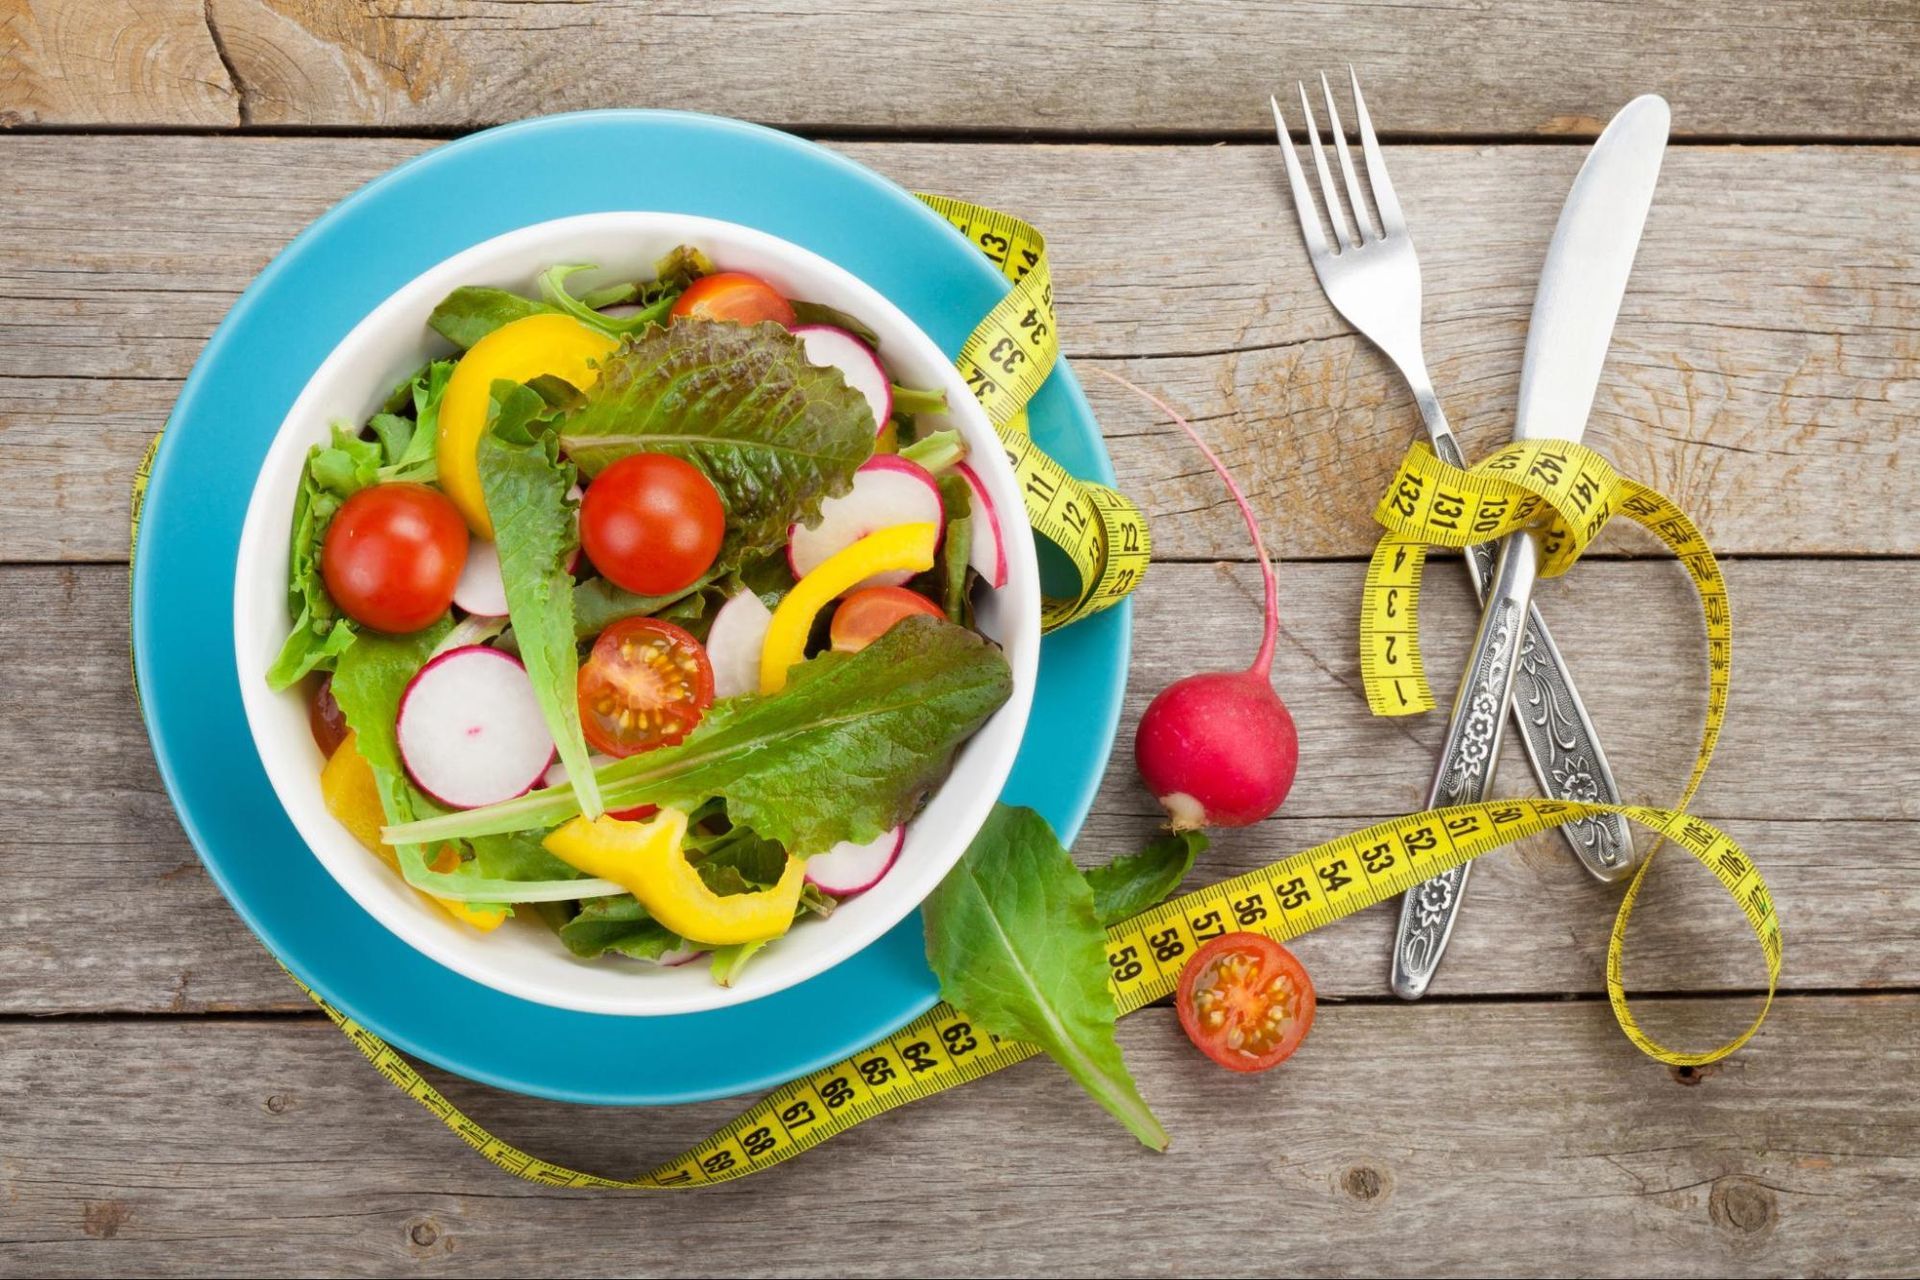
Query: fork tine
[(1362, 223), (1391, 222), (1310, 228), (1334, 213)]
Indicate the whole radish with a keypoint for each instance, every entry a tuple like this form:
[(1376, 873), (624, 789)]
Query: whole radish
[(1218, 749)]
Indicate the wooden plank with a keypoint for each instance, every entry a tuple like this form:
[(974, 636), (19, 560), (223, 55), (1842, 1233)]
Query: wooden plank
[(1812, 775), (1506, 67), (270, 1148), (112, 62), (1764, 374)]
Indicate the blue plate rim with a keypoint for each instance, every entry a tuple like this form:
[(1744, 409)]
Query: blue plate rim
[(143, 597)]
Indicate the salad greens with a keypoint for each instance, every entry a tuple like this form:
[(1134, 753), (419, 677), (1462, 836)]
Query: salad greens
[(844, 752), (1014, 935), (842, 756), (773, 433), (526, 486)]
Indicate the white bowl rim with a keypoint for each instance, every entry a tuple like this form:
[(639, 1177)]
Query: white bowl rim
[(292, 767)]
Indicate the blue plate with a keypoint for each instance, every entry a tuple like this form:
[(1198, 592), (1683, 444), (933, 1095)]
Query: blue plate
[(256, 363)]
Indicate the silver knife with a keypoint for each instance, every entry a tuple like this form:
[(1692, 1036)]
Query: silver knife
[(1573, 312)]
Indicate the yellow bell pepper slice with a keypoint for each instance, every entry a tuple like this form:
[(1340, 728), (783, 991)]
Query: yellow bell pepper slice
[(903, 546), (531, 347), (647, 860), (352, 796)]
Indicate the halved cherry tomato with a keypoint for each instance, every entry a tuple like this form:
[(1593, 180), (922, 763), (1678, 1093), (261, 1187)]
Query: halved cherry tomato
[(325, 719), (652, 523), (735, 296), (869, 613), (1245, 1001), (645, 685), (393, 555)]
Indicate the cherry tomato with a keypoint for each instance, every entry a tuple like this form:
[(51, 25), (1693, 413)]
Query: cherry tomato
[(735, 296), (645, 685), (652, 523), (869, 613), (1245, 1002), (325, 719), (393, 555)]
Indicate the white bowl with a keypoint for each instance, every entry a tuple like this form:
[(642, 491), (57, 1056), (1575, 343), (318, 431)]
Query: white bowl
[(523, 957)]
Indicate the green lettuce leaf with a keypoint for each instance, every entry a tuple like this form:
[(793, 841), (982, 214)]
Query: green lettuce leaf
[(619, 924), (471, 312), (844, 752), (774, 433), (1012, 934), (334, 473), (526, 484), (957, 545), (1130, 884)]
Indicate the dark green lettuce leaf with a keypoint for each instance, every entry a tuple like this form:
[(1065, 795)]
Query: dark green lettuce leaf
[(1012, 934), (526, 486), (1130, 884), (774, 433), (845, 752)]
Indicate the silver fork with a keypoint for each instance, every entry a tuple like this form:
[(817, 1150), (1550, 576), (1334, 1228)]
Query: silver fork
[(1372, 277)]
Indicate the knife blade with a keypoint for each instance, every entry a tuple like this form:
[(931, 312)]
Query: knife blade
[(1578, 297)]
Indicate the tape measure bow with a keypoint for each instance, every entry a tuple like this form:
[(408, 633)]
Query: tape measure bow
[(1565, 493)]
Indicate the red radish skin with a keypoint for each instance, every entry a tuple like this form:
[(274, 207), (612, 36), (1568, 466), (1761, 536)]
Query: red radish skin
[(988, 553), (848, 868), (1219, 749), (470, 729), (887, 490), (832, 347)]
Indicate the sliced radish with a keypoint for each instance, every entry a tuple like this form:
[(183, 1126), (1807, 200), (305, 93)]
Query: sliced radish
[(734, 641), (887, 490), (480, 589), (850, 868), (470, 728), (679, 956), (988, 554), (833, 348), (556, 774)]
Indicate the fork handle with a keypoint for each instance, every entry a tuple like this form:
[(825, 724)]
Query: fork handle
[(1467, 760), (1554, 726)]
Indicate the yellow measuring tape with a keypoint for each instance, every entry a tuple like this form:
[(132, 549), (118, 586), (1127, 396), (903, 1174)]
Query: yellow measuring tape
[(1566, 492), (1105, 536), (1004, 360)]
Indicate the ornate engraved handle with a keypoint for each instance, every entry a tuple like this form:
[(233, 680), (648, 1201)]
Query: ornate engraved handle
[(1554, 727)]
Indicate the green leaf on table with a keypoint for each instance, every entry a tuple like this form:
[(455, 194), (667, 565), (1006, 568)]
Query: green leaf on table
[(1136, 881), (525, 485), (845, 752), (775, 433), (1012, 934)]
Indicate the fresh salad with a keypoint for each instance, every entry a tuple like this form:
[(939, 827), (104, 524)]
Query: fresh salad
[(647, 614)]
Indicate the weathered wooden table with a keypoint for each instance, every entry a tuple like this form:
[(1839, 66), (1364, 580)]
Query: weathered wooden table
[(169, 1103)]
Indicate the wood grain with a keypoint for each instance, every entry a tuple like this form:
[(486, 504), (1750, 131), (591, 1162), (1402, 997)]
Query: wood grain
[(112, 62), (1506, 67), (1492, 1139), (1813, 774), (1765, 369)]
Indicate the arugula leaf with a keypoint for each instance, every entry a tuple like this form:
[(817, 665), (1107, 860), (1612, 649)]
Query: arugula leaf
[(955, 548), (553, 289), (618, 923), (471, 312), (844, 752), (1012, 934), (1130, 884), (334, 473), (526, 485), (775, 433)]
